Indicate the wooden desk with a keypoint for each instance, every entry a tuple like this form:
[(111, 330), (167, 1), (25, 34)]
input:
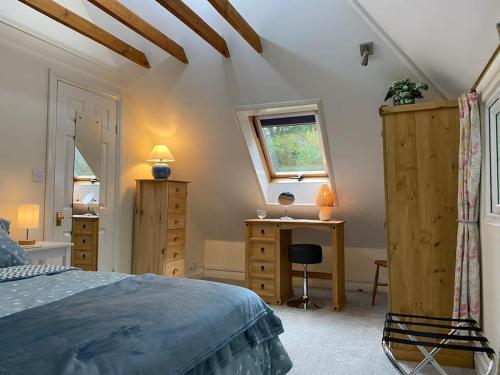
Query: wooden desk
[(268, 271)]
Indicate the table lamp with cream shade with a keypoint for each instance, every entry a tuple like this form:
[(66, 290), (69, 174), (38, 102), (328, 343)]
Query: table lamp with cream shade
[(160, 156), (28, 217), (325, 200)]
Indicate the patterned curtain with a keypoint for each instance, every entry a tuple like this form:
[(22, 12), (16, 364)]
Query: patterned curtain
[(467, 301)]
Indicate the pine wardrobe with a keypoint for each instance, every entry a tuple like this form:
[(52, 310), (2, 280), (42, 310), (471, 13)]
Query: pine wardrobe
[(420, 146)]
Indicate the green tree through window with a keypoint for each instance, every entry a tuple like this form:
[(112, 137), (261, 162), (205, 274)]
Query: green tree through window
[(293, 145)]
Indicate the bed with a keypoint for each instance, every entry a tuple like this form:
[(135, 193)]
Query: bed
[(60, 320)]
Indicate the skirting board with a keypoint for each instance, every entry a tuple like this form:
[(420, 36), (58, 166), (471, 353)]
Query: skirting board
[(240, 276)]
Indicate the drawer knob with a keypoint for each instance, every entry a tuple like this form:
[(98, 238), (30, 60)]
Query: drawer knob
[(83, 256), (177, 190), (177, 205), (163, 251), (84, 226), (262, 231), (84, 240), (176, 222), (175, 239), (174, 271), (262, 268), (262, 250), (261, 286), (175, 254)]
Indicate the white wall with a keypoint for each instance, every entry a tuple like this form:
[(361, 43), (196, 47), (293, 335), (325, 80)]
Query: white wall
[(314, 53), (490, 228), (24, 72)]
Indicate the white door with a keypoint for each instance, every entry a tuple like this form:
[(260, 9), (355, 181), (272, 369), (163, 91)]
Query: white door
[(70, 100)]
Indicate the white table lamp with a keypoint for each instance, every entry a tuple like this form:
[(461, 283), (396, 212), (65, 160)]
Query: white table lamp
[(28, 216)]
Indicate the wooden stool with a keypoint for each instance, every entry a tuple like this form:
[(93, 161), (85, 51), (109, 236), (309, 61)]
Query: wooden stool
[(379, 263)]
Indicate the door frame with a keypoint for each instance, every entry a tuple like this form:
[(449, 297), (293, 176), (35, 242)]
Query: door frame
[(98, 87)]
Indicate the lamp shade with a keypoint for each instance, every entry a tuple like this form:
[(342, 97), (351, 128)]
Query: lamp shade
[(325, 196), (28, 216), (160, 154)]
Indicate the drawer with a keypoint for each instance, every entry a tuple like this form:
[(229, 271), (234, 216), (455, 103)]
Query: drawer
[(263, 287), (177, 205), (175, 236), (263, 231), (262, 269), (177, 189), (83, 226), (83, 257), (174, 252), (84, 241), (175, 221), (262, 250), (174, 269)]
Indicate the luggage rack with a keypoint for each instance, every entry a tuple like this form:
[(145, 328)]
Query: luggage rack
[(460, 331)]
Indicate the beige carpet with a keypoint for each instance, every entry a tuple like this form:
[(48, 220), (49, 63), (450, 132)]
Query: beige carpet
[(324, 342)]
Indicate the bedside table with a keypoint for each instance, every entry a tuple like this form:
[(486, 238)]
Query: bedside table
[(44, 250)]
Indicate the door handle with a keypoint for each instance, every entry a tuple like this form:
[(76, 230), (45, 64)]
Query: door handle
[(59, 218)]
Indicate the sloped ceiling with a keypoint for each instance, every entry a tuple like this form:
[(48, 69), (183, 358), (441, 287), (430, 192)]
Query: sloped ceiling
[(449, 40), (309, 52)]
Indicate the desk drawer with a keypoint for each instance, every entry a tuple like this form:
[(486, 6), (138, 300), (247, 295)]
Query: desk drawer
[(264, 287), (263, 231), (175, 221), (174, 269), (262, 250), (262, 269)]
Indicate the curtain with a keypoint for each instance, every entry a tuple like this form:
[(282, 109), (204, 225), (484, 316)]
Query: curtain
[(467, 301)]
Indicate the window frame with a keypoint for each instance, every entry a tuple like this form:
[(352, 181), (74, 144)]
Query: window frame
[(493, 152), (265, 153)]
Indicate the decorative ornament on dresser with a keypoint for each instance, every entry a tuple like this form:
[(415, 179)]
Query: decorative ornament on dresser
[(325, 201), (286, 199), (405, 91), (160, 156), (28, 216)]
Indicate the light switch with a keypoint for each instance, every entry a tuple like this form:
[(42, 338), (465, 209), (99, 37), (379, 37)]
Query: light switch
[(37, 174)]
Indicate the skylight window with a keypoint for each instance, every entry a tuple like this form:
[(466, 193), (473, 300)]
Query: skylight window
[(291, 145)]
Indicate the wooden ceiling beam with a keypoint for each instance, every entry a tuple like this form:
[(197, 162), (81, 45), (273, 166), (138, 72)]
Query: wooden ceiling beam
[(195, 23), (226, 10), (72, 20), (130, 19)]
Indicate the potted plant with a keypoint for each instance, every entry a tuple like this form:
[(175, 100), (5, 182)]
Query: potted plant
[(405, 91)]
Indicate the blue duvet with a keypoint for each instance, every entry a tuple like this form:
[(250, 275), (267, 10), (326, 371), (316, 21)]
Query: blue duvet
[(138, 325)]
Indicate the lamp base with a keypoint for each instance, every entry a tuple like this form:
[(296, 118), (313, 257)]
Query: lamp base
[(26, 242), (325, 213), (161, 171)]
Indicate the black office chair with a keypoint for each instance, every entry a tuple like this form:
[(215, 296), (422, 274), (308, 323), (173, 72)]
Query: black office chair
[(305, 254)]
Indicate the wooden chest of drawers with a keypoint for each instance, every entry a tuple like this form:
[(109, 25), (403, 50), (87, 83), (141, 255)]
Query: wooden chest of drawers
[(86, 243), (160, 227), (268, 270)]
